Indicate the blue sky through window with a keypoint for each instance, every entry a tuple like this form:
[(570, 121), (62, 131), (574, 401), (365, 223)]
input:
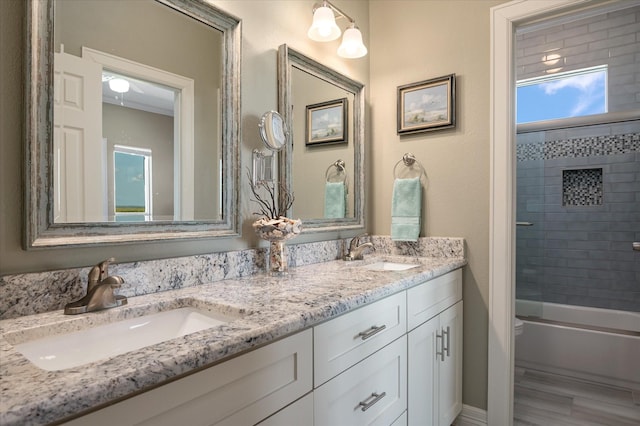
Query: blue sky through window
[(130, 182), (565, 95)]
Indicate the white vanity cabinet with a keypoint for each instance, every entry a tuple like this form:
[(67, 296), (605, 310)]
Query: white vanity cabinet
[(394, 362), (435, 351), (241, 391)]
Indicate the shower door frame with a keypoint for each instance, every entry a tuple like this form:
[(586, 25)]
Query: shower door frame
[(504, 20)]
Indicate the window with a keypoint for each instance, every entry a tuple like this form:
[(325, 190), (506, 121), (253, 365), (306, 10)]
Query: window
[(132, 184), (562, 95)]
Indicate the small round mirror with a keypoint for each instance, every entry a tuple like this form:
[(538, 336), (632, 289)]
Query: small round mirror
[(273, 130)]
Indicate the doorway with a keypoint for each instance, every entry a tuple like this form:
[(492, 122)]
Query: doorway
[(505, 19), (577, 149)]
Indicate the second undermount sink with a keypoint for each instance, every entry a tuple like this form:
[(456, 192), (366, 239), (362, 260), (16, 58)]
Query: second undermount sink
[(389, 266), (77, 348)]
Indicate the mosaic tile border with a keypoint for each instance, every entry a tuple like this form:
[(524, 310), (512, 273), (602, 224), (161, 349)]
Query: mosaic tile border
[(579, 147)]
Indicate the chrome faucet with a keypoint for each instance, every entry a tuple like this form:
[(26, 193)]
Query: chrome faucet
[(100, 291), (356, 250)]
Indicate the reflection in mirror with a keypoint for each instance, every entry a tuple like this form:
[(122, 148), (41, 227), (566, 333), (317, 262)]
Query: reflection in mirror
[(140, 97), (132, 131), (323, 162)]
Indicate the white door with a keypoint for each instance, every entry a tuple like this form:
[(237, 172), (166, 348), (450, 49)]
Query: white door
[(77, 138)]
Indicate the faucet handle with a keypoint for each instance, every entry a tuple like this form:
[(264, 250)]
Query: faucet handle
[(104, 268)]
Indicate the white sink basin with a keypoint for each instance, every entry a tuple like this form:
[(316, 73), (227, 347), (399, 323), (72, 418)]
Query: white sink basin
[(389, 266), (82, 347)]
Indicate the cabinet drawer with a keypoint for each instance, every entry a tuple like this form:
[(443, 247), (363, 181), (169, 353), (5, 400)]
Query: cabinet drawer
[(344, 341), (429, 299), (401, 421), (300, 413), (373, 392), (243, 390)]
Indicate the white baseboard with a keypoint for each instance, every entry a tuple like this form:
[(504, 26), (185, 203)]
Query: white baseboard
[(471, 416)]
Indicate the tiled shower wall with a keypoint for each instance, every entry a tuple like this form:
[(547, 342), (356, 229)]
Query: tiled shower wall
[(580, 188), (611, 39)]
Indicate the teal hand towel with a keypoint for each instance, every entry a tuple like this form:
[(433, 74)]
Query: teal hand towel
[(406, 209), (335, 200)]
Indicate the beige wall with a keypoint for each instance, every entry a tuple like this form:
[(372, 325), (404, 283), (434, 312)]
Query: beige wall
[(418, 40)]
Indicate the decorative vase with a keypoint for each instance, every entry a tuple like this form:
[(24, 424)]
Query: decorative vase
[(277, 231)]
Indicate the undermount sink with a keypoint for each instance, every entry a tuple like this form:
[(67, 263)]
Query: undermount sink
[(389, 266), (77, 348)]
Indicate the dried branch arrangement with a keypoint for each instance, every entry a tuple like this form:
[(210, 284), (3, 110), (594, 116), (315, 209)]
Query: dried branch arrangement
[(274, 204)]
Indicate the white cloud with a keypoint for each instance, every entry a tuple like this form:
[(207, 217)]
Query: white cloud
[(587, 84), (584, 83)]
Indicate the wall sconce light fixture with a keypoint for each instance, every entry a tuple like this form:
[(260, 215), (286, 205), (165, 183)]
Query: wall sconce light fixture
[(324, 28)]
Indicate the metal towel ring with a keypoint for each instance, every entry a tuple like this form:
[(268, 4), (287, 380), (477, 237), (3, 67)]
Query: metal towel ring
[(339, 167), (412, 165)]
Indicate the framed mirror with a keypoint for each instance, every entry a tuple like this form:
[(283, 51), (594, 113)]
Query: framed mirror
[(132, 122), (323, 162)]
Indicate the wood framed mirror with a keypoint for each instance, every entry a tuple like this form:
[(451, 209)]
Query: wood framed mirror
[(106, 178), (323, 106)]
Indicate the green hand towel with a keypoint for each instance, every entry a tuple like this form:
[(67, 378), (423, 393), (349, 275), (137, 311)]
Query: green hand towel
[(335, 200), (406, 209)]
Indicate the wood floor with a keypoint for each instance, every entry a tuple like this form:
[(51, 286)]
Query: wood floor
[(542, 399)]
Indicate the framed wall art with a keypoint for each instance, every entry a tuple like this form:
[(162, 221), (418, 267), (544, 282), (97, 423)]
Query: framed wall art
[(326, 122), (427, 105)]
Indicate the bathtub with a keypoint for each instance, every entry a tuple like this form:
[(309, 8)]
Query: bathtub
[(599, 345)]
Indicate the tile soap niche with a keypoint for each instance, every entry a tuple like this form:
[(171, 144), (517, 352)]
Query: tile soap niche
[(582, 187)]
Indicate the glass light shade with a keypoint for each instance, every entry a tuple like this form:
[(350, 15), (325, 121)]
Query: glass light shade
[(119, 85), (352, 45), (323, 27)]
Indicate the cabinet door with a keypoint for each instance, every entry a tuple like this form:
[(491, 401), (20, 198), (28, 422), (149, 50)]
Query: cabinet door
[(450, 367), (372, 392), (423, 374), (435, 369)]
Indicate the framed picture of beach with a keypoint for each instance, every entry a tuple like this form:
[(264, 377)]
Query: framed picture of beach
[(326, 122), (427, 105)]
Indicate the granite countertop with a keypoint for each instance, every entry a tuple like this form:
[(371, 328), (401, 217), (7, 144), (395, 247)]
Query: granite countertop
[(266, 308)]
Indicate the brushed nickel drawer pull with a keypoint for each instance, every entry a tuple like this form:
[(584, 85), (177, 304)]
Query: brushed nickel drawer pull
[(364, 335), (636, 246), (369, 402), (448, 347), (440, 353)]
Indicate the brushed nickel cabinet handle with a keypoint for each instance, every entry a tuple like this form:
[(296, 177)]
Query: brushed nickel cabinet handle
[(448, 347), (364, 335), (636, 245), (441, 352), (369, 402)]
